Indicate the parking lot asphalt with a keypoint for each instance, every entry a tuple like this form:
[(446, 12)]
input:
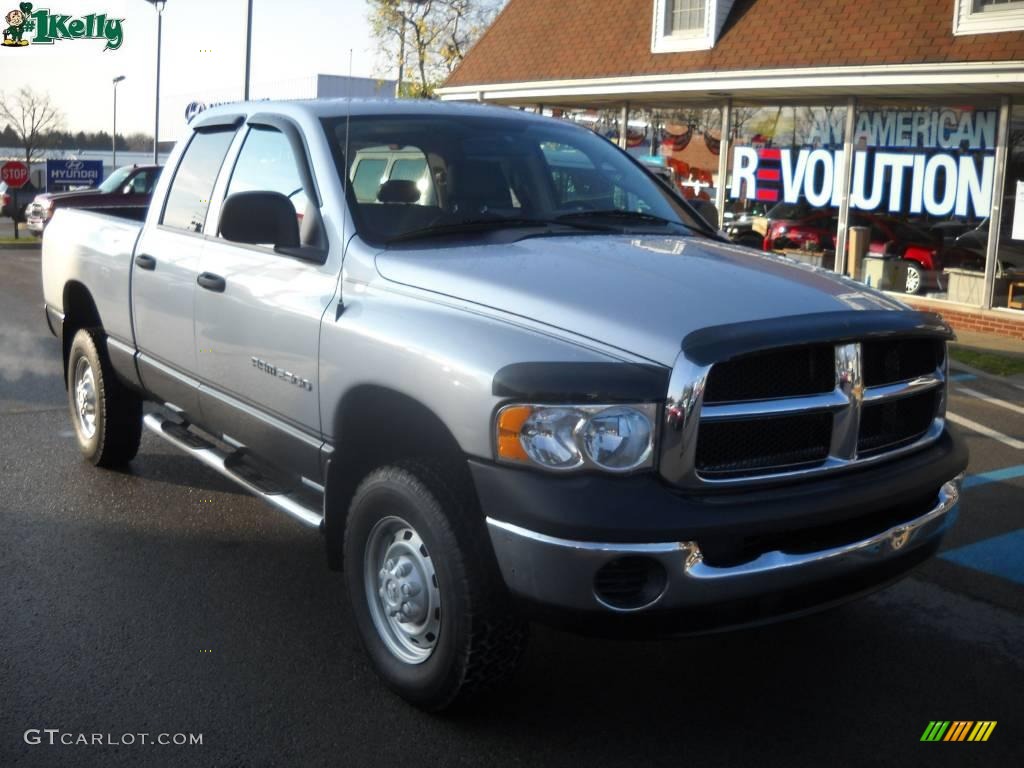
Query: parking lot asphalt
[(162, 599)]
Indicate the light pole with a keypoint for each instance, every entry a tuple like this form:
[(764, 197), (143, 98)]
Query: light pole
[(248, 50), (159, 5), (113, 141)]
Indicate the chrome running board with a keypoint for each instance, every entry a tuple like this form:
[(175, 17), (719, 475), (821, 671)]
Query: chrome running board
[(229, 465)]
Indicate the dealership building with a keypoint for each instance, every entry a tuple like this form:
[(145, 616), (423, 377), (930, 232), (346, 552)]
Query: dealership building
[(883, 140)]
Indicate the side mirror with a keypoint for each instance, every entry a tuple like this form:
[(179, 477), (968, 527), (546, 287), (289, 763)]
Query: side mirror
[(260, 218)]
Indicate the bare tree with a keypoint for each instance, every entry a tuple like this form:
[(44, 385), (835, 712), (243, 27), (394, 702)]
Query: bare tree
[(31, 116), (435, 33)]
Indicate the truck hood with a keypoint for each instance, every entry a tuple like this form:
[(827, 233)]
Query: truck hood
[(641, 294), (74, 196)]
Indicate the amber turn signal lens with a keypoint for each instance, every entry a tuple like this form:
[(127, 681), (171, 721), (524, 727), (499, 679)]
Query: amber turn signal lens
[(510, 422)]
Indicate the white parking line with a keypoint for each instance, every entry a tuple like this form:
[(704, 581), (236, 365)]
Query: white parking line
[(990, 399), (981, 429)]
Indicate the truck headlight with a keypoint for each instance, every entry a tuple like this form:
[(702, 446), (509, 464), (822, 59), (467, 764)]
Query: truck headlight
[(562, 438)]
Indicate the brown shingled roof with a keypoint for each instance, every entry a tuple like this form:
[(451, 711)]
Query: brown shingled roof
[(578, 39)]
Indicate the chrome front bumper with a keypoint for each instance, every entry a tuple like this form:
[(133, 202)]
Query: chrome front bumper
[(561, 573)]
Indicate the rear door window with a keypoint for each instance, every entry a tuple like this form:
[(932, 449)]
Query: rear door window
[(189, 196)]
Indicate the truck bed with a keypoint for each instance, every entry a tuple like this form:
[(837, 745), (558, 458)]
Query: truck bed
[(94, 248)]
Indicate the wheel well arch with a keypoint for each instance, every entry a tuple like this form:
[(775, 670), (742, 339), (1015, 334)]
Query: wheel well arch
[(376, 426), (79, 312)]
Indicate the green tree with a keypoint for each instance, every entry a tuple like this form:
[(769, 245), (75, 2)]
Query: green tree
[(32, 116), (429, 36)]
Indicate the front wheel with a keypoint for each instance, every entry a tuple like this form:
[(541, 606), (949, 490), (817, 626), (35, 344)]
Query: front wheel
[(107, 417), (915, 279), (429, 604)]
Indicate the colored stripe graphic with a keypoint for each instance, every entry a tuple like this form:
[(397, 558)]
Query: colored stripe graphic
[(958, 730), (769, 174)]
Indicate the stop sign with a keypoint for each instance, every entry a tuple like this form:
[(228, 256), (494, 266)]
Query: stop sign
[(14, 173)]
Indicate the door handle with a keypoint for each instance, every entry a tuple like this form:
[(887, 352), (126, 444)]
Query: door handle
[(211, 282), (144, 261)]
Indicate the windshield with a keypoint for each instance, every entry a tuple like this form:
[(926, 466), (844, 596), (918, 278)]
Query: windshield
[(115, 180), (416, 177)]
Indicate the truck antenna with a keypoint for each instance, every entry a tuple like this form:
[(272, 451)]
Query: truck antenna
[(345, 170)]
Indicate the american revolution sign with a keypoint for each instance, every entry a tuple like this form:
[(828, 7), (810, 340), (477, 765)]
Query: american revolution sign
[(938, 161)]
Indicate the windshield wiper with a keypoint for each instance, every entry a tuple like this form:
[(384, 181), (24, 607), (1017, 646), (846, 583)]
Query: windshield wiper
[(487, 225)]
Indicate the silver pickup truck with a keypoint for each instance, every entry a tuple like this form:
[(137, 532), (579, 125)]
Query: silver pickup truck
[(509, 375)]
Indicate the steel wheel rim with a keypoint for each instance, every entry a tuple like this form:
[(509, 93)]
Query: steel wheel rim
[(402, 590), (85, 397)]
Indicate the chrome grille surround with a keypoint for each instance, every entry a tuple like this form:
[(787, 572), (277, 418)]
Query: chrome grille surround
[(685, 411)]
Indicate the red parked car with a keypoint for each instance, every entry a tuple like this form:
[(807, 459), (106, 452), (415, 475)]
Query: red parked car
[(128, 189), (924, 253)]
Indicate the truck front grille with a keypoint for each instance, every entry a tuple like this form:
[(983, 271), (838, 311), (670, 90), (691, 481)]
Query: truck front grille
[(891, 360), (765, 375), (892, 424), (808, 409), (735, 448)]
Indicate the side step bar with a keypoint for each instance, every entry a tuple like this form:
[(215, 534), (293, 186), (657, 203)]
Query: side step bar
[(225, 463)]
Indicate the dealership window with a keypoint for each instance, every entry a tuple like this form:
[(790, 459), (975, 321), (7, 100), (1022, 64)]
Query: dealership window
[(921, 187), (976, 17), (686, 144), (1008, 288), (785, 179)]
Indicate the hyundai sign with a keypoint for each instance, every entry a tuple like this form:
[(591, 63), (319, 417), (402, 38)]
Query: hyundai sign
[(73, 173)]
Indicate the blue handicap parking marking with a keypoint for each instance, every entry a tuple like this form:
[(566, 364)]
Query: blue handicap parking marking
[(963, 377), (995, 476), (999, 556)]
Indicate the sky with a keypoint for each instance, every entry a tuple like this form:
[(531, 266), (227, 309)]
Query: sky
[(203, 57)]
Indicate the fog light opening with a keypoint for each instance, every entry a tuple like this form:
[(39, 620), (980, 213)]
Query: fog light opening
[(630, 583)]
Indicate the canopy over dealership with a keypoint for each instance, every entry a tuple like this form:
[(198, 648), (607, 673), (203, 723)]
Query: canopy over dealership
[(904, 118)]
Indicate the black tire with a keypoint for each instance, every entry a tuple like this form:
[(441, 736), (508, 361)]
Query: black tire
[(117, 412), (481, 639)]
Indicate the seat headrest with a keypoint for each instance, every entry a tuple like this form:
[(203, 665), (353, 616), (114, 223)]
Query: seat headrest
[(398, 191)]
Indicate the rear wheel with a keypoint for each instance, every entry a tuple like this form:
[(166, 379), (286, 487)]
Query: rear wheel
[(107, 417), (429, 604)]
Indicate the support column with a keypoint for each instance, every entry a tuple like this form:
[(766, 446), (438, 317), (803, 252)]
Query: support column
[(624, 126), (996, 214), (724, 148), (842, 233)]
